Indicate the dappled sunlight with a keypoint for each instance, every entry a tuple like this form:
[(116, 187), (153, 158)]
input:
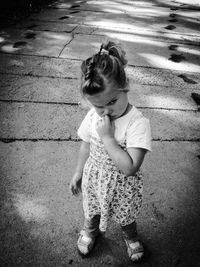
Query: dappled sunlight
[(8, 48), (189, 50), (61, 5), (131, 8), (112, 11), (54, 35), (134, 39), (193, 2), (136, 3), (191, 20), (189, 14), (161, 62), (122, 27), (41, 42), (31, 209), (179, 37), (147, 12)]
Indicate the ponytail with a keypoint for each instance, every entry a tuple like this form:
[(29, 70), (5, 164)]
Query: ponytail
[(115, 50)]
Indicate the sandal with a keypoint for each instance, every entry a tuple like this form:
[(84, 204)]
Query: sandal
[(135, 249), (85, 243)]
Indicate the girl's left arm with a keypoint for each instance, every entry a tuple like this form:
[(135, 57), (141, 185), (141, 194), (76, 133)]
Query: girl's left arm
[(128, 161)]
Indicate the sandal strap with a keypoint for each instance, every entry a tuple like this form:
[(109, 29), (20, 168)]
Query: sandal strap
[(138, 249), (82, 240)]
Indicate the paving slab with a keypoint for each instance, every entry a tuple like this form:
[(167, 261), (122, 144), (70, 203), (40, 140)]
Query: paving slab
[(52, 121), (28, 120), (147, 51), (27, 42), (161, 97), (39, 89), (156, 76), (41, 220), (62, 91), (39, 66)]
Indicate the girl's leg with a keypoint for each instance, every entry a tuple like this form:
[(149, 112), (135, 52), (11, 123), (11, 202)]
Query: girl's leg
[(91, 226), (130, 231), (135, 248), (88, 235)]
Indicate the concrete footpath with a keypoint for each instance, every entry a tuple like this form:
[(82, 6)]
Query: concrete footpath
[(40, 59)]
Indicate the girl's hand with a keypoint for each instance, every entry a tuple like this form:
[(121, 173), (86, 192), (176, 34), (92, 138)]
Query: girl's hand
[(75, 184), (105, 128)]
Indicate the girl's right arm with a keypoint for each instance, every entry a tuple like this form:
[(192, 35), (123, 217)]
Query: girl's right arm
[(75, 184)]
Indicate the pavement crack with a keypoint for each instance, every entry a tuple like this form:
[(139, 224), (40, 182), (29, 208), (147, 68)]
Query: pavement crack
[(70, 139), (176, 140), (37, 76), (39, 102), (66, 44), (12, 140), (169, 109)]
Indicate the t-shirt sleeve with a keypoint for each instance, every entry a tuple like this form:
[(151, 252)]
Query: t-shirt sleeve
[(139, 134), (84, 129)]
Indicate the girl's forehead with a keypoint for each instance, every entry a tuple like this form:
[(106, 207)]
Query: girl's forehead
[(103, 97)]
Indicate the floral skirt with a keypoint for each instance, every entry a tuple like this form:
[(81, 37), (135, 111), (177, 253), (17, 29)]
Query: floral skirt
[(111, 194)]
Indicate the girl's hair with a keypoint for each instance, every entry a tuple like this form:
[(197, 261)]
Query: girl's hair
[(107, 66)]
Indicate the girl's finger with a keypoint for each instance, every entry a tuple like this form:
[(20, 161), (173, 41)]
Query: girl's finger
[(106, 119)]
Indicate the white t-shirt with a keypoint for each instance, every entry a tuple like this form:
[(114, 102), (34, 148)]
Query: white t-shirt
[(133, 129)]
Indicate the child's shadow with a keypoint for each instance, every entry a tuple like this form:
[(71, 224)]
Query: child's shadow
[(113, 253)]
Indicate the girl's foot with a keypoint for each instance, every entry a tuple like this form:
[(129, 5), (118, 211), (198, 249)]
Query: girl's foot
[(135, 249), (85, 243)]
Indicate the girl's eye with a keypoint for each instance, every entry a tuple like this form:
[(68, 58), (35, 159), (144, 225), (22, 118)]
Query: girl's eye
[(112, 102)]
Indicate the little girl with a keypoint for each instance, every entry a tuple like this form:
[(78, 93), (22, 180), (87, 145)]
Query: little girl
[(115, 138)]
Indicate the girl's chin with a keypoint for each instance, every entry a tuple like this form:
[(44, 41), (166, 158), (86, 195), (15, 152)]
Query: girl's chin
[(114, 117)]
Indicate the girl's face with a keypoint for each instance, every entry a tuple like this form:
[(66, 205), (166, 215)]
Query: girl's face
[(111, 102)]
